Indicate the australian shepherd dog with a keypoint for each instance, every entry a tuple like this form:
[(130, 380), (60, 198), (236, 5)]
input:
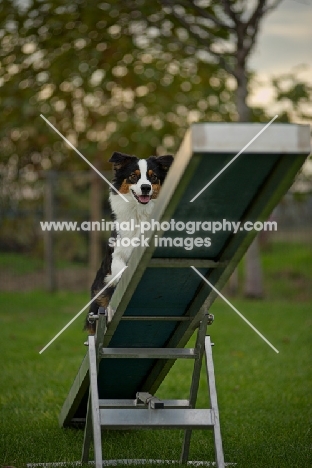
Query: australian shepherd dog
[(139, 181)]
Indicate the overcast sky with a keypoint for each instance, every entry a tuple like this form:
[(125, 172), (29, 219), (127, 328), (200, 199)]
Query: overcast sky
[(285, 41)]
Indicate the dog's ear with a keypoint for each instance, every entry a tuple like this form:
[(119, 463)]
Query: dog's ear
[(164, 161), (119, 159)]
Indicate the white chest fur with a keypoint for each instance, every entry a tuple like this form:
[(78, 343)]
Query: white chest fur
[(131, 214)]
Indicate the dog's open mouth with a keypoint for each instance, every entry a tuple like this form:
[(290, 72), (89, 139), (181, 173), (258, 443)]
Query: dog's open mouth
[(144, 199)]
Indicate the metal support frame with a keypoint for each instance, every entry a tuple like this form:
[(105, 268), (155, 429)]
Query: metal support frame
[(147, 411)]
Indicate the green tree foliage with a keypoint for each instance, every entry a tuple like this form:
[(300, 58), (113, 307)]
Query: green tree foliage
[(293, 95), (93, 69), (239, 21), (118, 75), (96, 71)]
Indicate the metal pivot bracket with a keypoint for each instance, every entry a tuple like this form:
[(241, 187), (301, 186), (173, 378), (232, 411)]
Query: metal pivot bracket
[(92, 317), (149, 400), (210, 319)]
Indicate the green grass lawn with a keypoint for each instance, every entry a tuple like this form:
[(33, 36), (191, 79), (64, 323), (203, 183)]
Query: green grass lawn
[(264, 397)]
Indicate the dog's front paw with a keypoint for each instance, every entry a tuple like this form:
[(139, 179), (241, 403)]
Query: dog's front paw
[(117, 266), (112, 280), (109, 278)]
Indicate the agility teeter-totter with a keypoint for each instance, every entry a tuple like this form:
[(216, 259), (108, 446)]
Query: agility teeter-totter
[(160, 301)]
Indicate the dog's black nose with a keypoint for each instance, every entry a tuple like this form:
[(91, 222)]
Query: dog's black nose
[(145, 188)]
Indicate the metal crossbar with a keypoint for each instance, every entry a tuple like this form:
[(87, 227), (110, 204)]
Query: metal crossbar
[(160, 419), (144, 353), (148, 411)]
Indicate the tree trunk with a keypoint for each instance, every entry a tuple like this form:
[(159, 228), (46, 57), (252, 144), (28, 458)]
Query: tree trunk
[(49, 250), (241, 95), (253, 284), (253, 287)]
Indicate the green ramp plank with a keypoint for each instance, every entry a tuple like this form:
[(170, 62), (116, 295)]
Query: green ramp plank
[(159, 280)]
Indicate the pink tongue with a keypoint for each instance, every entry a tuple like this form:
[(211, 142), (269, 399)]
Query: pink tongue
[(144, 198)]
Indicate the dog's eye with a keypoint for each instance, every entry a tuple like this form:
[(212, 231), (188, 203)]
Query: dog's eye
[(154, 178), (133, 178)]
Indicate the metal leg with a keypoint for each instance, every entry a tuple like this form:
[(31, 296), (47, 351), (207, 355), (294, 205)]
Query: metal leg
[(94, 400), (92, 416), (200, 348), (214, 404), (87, 434)]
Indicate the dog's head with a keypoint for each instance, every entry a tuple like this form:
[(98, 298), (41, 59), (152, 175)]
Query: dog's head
[(141, 178)]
